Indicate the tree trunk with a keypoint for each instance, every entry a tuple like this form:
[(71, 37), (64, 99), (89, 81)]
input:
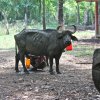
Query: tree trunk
[(25, 20), (26, 15), (44, 20), (6, 23), (1, 16), (86, 18), (78, 14), (60, 13)]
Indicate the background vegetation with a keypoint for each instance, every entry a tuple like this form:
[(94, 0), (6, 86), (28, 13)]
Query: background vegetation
[(15, 14)]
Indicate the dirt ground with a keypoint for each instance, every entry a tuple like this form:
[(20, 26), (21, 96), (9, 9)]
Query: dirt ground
[(75, 82)]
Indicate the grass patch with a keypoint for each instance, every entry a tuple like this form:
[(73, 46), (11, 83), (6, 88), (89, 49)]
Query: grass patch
[(7, 41), (81, 50), (85, 34)]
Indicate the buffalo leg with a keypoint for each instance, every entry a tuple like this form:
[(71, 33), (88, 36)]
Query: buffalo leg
[(17, 58), (57, 65), (51, 64), (22, 58)]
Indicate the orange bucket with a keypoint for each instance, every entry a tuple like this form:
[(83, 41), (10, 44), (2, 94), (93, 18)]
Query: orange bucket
[(69, 48), (27, 63)]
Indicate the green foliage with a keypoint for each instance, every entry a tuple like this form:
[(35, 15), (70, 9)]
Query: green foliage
[(15, 10), (7, 42), (70, 11)]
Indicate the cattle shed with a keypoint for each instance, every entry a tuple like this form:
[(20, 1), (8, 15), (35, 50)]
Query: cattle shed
[(97, 15)]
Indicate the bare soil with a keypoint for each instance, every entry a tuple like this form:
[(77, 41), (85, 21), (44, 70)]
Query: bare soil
[(75, 82)]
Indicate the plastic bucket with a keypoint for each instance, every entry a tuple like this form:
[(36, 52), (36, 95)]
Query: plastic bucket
[(69, 48), (27, 63)]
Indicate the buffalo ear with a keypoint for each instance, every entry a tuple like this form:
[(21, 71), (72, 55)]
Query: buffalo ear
[(60, 29), (74, 38)]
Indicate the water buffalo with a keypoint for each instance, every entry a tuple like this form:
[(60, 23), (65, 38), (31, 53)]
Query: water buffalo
[(40, 43)]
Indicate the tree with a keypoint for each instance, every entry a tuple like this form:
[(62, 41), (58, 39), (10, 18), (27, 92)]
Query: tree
[(5, 7), (44, 23), (60, 12), (78, 14), (45, 11)]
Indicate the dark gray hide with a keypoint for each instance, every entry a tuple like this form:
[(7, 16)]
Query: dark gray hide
[(96, 68), (41, 43)]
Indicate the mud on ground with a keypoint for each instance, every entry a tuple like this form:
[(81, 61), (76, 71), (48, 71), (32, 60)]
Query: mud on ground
[(75, 82)]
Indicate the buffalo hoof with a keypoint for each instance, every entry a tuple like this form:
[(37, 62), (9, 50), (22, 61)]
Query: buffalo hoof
[(58, 72), (52, 73), (26, 72), (17, 71)]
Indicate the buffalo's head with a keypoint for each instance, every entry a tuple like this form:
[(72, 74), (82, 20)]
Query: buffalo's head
[(67, 35)]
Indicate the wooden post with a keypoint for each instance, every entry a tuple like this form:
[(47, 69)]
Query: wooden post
[(96, 18)]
